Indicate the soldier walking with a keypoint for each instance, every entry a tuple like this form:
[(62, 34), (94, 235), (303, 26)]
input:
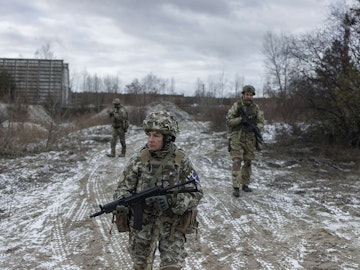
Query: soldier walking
[(119, 121), (244, 120), (165, 219)]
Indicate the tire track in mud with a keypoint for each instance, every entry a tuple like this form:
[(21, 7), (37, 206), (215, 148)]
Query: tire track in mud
[(280, 225), (70, 219), (218, 226), (270, 215), (274, 227), (233, 222), (68, 230), (113, 247), (111, 251)]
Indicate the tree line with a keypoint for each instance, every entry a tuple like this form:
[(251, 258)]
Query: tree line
[(316, 76)]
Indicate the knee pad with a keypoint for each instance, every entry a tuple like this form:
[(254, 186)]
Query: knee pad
[(236, 164)]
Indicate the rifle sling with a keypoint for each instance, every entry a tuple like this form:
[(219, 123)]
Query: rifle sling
[(162, 165)]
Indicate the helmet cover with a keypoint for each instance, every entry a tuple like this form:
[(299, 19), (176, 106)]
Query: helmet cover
[(161, 121), (248, 88), (116, 101)]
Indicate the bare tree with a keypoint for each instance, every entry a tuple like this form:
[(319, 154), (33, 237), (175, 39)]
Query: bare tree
[(172, 86), (238, 84), (328, 63), (222, 86), (154, 85), (45, 52), (135, 87), (277, 51), (199, 88)]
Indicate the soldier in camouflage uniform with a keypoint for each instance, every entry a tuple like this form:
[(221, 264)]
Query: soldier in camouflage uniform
[(242, 139), (120, 124), (165, 218)]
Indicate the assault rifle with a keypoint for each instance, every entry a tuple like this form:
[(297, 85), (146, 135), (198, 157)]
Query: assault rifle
[(136, 200), (111, 113), (251, 125)]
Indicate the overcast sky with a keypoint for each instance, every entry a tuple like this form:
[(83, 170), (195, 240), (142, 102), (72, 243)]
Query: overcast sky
[(179, 39)]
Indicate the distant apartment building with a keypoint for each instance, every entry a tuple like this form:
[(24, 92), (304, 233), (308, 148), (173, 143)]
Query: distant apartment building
[(39, 80)]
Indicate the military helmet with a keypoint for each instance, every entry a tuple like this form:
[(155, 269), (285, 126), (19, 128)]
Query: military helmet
[(161, 121), (248, 88), (116, 101)]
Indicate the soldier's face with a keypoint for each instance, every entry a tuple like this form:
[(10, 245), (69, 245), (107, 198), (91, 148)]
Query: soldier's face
[(155, 140), (247, 96)]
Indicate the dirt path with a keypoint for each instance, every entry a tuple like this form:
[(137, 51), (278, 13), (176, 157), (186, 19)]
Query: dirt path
[(299, 216)]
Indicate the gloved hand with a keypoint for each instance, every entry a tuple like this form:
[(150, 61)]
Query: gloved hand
[(181, 205), (121, 210), (244, 121), (161, 203)]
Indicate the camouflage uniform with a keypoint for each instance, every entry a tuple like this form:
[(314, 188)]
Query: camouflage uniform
[(160, 224), (120, 124), (241, 140)]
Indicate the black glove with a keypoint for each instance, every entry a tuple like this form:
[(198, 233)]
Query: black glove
[(121, 210), (244, 121), (161, 203)]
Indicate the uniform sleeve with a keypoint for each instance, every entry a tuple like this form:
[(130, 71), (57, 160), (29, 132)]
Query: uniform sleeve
[(260, 119), (123, 113), (232, 117), (187, 201), (128, 179)]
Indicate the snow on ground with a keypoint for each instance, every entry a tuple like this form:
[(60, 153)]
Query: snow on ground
[(302, 214)]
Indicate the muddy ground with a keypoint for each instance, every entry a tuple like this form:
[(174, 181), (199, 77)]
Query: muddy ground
[(303, 212)]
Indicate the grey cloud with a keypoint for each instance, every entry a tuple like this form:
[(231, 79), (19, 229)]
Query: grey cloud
[(188, 38)]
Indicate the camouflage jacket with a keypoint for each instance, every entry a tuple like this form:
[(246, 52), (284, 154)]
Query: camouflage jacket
[(119, 118), (234, 116), (138, 175)]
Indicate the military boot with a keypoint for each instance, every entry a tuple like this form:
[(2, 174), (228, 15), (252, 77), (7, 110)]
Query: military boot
[(236, 192), (122, 154), (112, 154), (246, 188)]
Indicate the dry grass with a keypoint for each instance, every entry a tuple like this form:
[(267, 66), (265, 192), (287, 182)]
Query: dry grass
[(21, 137)]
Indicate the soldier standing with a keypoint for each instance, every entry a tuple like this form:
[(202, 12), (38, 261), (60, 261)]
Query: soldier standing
[(165, 219), (241, 119), (120, 124)]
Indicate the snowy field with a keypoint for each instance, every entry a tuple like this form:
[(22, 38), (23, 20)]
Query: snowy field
[(304, 212)]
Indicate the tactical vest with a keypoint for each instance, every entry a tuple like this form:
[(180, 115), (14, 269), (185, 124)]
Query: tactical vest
[(119, 118), (187, 223), (169, 174), (252, 112)]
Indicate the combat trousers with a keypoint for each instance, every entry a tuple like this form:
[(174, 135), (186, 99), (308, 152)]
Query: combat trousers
[(118, 132), (241, 146), (246, 172), (155, 233)]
